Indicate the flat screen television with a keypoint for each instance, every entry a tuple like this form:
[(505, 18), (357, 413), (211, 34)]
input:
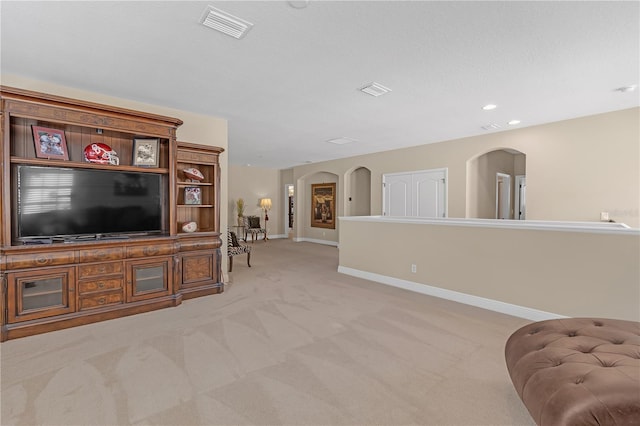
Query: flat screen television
[(66, 202)]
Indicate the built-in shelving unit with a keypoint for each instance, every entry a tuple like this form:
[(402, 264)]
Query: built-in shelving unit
[(65, 280)]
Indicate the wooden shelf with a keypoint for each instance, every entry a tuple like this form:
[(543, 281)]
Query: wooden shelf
[(41, 293), (181, 184), (85, 165)]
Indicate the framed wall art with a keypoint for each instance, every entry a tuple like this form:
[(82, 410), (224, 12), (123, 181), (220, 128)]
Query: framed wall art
[(50, 143), (192, 195), (323, 205), (145, 152)]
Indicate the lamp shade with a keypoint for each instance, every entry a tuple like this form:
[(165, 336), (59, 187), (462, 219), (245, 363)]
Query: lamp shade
[(265, 203)]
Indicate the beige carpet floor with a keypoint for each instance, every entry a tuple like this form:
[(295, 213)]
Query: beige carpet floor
[(289, 342)]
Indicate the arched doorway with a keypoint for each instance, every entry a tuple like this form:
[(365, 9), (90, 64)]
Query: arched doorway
[(358, 202), (490, 194)]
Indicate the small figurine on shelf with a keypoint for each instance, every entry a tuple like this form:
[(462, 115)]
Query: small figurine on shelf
[(101, 153), (189, 227), (193, 175)]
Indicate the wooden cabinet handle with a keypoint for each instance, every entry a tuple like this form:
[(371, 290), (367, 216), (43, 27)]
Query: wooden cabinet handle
[(101, 301), (101, 284), (102, 269)]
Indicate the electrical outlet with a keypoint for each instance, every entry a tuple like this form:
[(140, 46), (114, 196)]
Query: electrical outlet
[(414, 268), (604, 216)]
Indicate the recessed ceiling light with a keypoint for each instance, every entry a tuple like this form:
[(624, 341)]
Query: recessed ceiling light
[(225, 22), (375, 89), (491, 126), (625, 89), (514, 122), (341, 141), (489, 107)]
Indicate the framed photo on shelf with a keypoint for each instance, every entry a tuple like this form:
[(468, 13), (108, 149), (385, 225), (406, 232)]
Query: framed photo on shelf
[(323, 205), (192, 195), (146, 152), (50, 143)]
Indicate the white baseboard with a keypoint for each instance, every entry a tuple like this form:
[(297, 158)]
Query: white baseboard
[(276, 236), (467, 299), (312, 240)]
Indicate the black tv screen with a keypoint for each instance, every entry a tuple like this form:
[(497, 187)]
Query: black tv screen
[(58, 201)]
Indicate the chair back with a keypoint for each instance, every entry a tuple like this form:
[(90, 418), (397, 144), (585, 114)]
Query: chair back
[(252, 222), (232, 239)]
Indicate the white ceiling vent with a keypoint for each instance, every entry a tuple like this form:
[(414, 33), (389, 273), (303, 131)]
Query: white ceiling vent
[(375, 89), (341, 141), (225, 22), (491, 126)]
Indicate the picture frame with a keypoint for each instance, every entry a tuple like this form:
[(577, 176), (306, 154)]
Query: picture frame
[(323, 205), (192, 195), (50, 143), (146, 152)]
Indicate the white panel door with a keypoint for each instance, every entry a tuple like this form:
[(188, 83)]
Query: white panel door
[(429, 200), (397, 195), (416, 194)]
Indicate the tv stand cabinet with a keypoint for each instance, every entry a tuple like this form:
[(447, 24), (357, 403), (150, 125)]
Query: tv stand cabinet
[(67, 282)]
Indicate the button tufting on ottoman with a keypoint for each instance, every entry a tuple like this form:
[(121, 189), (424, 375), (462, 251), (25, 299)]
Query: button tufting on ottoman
[(577, 371)]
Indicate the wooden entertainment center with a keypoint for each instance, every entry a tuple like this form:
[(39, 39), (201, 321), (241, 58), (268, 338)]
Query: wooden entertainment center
[(56, 282)]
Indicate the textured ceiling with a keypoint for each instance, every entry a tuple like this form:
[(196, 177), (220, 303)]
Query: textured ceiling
[(292, 83)]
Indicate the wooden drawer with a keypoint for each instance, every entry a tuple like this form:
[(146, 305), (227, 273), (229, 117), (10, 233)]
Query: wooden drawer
[(101, 255), (101, 299), (100, 269), (200, 244), (36, 260), (151, 249), (99, 285)]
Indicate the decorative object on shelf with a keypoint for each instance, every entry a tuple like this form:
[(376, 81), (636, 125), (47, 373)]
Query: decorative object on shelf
[(323, 205), (192, 174), (50, 143), (145, 152), (240, 206), (101, 153), (190, 227), (192, 195)]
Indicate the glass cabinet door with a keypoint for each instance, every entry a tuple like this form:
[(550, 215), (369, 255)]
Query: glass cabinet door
[(42, 293), (148, 279)]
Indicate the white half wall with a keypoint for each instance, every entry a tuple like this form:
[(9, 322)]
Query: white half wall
[(530, 269)]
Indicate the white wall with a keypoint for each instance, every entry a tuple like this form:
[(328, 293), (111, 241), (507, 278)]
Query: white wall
[(570, 272), (575, 168), (252, 184)]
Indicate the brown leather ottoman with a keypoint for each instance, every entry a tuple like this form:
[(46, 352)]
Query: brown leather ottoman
[(577, 371)]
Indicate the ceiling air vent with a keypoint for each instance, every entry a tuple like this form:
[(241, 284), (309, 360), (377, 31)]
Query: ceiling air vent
[(341, 141), (225, 22), (491, 126), (375, 89)]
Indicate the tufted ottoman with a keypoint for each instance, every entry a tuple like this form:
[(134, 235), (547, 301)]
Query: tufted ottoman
[(577, 371)]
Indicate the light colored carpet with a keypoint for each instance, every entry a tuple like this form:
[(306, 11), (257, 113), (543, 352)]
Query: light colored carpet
[(290, 341)]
